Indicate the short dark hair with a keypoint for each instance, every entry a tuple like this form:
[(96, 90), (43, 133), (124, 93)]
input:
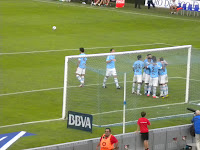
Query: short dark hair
[(148, 54), (154, 58), (161, 58), (143, 114), (139, 56), (108, 129), (111, 49), (81, 49)]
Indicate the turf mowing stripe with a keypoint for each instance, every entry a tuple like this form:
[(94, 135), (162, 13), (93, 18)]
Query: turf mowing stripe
[(91, 48), (57, 88), (115, 10)]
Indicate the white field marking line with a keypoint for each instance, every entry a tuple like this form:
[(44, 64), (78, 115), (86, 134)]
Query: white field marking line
[(195, 100), (91, 48), (184, 78), (12, 125), (115, 10), (151, 119), (14, 139), (57, 88), (139, 108)]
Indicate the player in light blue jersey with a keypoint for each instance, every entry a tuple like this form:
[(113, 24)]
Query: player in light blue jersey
[(146, 73), (163, 78), (81, 66), (137, 68), (153, 77), (111, 71)]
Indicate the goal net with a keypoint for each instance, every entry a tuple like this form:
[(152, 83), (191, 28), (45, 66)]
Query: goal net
[(106, 104)]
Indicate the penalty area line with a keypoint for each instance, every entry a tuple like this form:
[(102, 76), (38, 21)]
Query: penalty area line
[(75, 49)]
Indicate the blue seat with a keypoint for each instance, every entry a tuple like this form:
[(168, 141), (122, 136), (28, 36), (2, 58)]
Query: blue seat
[(184, 9), (189, 9), (196, 10)]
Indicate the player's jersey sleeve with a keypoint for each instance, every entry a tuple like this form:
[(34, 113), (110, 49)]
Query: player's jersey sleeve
[(108, 58)]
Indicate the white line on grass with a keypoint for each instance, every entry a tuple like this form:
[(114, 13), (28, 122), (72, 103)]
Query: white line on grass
[(30, 123), (57, 88), (138, 108), (115, 10), (75, 49)]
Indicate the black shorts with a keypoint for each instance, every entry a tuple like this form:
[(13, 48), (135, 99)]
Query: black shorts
[(145, 136)]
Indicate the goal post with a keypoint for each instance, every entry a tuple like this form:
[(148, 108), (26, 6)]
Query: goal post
[(107, 105)]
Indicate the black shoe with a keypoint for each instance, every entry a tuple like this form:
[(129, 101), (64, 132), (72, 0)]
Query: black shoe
[(118, 87), (104, 87)]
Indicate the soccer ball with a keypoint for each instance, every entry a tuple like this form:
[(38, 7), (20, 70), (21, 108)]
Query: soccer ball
[(54, 27)]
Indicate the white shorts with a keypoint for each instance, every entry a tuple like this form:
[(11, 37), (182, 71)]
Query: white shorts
[(111, 72), (137, 78), (147, 78), (153, 81), (80, 71), (161, 79)]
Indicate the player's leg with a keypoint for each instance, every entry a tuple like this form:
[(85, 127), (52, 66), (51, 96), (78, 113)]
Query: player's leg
[(147, 81), (139, 81), (82, 77), (106, 77), (150, 86), (78, 74), (155, 84), (114, 74), (166, 85), (134, 83)]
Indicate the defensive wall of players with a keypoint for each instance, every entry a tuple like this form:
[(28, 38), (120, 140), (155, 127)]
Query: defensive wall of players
[(170, 138)]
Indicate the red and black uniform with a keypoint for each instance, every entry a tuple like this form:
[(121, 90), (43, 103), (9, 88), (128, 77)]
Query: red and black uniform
[(143, 123)]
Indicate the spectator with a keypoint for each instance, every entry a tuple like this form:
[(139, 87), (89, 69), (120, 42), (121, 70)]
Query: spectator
[(196, 121), (137, 3), (107, 141), (144, 131), (150, 2), (173, 7)]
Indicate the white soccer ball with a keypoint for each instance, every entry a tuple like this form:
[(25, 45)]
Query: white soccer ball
[(54, 27)]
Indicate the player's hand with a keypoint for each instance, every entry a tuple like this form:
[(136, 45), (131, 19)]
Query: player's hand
[(113, 59), (97, 148), (137, 132)]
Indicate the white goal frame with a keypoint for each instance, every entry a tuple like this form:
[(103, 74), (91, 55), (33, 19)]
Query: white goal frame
[(189, 47)]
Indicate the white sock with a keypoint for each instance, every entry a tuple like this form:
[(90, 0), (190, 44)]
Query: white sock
[(149, 89), (104, 81), (166, 86), (116, 82), (161, 90), (133, 87), (78, 77), (145, 89), (154, 91), (82, 79), (138, 88)]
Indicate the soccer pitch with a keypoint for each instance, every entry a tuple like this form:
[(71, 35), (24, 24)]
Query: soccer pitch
[(32, 63)]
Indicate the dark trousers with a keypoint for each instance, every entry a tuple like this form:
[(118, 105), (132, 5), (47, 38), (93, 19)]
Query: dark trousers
[(150, 3), (137, 3)]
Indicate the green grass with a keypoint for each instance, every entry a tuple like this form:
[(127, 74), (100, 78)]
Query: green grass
[(26, 27)]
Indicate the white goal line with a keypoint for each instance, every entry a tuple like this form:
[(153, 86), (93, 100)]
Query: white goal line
[(75, 49), (57, 88)]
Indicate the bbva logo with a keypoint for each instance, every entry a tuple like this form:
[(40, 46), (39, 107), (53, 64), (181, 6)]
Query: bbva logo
[(79, 121)]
